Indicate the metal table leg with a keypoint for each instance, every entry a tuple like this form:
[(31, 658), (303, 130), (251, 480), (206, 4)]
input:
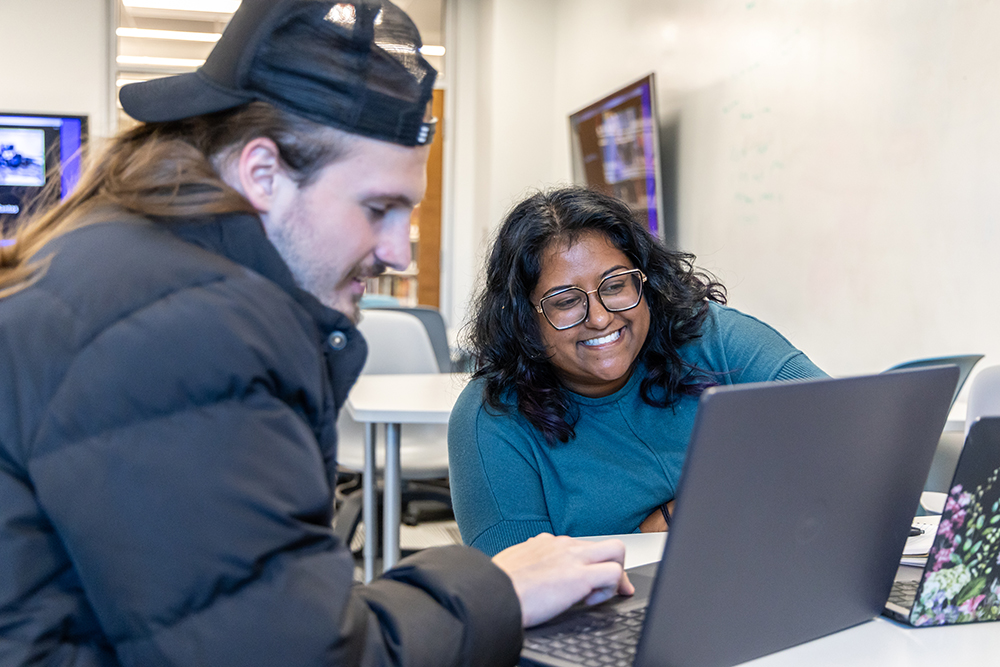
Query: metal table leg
[(392, 498), (369, 500)]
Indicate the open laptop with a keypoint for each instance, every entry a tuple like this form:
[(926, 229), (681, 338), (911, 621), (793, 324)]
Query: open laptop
[(961, 581), (793, 508)]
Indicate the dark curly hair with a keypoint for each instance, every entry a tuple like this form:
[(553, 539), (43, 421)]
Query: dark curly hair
[(504, 333)]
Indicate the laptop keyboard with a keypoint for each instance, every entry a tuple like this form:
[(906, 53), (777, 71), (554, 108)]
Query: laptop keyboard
[(904, 593), (596, 641)]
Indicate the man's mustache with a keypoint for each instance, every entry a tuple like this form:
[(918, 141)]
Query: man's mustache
[(371, 271)]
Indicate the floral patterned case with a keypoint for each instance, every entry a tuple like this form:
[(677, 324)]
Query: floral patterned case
[(961, 581)]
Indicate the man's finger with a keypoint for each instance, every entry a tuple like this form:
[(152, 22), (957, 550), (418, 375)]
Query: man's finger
[(622, 587), (625, 585), (606, 574), (599, 596), (605, 550)]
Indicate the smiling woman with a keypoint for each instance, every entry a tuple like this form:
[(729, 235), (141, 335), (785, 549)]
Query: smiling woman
[(593, 343), (592, 347)]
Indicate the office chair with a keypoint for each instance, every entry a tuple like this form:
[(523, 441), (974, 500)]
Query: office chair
[(984, 396), (950, 444), (398, 343), (436, 331), (984, 401), (965, 363)]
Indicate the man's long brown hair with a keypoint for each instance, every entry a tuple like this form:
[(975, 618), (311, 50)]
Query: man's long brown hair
[(168, 170)]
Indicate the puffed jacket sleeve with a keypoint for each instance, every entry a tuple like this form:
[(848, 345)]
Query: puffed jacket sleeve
[(179, 466)]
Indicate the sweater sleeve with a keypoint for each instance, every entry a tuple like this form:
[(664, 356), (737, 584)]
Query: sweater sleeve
[(748, 350), (496, 488), (180, 469)]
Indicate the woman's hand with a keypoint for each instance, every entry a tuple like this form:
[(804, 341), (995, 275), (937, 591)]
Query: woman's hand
[(552, 573), (655, 523)]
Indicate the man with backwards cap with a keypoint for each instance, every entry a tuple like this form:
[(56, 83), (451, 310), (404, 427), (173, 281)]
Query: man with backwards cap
[(177, 339)]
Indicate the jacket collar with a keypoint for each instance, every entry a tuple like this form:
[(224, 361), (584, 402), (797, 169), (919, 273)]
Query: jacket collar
[(240, 237)]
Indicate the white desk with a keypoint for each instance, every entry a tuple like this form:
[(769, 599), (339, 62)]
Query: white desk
[(640, 548), (394, 400), (876, 643)]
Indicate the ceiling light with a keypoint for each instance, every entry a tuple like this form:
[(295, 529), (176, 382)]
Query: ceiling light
[(160, 62), (213, 6), (169, 34), (429, 50)]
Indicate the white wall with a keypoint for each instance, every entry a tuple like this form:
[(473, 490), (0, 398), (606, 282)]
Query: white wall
[(55, 58), (501, 84), (839, 160)]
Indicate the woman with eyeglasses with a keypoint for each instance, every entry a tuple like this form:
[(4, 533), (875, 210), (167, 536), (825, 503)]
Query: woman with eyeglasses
[(592, 345)]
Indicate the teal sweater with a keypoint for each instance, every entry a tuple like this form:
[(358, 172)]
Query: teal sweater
[(507, 484)]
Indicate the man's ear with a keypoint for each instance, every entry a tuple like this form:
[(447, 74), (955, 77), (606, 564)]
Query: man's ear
[(260, 171)]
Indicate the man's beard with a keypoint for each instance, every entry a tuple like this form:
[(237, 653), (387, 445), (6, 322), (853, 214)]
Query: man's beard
[(362, 272), (323, 281)]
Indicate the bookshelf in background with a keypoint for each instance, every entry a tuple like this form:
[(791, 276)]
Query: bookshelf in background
[(429, 248)]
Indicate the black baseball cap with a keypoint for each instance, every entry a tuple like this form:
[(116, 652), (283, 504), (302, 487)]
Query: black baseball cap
[(353, 65)]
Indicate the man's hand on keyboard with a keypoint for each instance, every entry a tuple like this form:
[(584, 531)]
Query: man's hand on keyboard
[(550, 574)]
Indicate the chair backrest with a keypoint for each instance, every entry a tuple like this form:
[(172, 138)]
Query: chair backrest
[(984, 396), (436, 330), (397, 343), (965, 362)]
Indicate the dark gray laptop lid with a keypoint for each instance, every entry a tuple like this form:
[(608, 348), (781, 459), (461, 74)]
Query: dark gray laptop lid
[(792, 511)]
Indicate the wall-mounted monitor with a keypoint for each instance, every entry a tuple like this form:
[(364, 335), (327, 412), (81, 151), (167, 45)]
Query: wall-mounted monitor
[(615, 149), (33, 149)]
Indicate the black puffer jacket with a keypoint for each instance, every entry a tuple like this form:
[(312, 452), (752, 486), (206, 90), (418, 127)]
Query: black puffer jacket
[(167, 410)]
